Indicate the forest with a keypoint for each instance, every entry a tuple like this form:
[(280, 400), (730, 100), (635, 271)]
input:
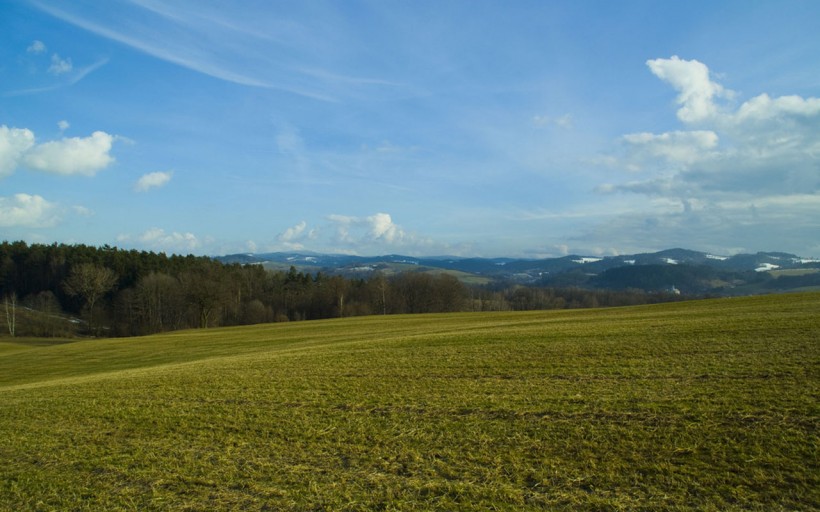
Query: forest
[(61, 290)]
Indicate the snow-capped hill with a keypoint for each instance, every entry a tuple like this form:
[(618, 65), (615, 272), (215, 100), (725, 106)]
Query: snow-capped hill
[(709, 272)]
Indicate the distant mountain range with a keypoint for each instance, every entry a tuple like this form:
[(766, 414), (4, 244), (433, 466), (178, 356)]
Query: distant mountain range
[(691, 272)]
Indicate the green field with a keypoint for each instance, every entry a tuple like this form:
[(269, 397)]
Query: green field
[(707, 405)]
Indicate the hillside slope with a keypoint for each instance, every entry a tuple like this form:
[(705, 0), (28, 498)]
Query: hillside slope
[(705, 405), (739, 274)]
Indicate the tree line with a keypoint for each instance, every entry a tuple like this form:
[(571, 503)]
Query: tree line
[(117, 292)]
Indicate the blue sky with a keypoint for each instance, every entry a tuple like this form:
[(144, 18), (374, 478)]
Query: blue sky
[(474, 128)]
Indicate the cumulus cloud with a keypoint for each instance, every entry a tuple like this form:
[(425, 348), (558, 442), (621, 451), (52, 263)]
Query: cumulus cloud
[(294, 237), (763, 146), (749, 171), (764, 107), (30, 211), (152, 180), (75, 155), (382, 228), (293, 232), (63, 125), (348, 234), (14, 143), (373, 233), (36, 47), (696, 89), (60, 66), (157, 239)]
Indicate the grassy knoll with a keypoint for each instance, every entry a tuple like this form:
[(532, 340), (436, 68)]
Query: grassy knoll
[(709, 405)]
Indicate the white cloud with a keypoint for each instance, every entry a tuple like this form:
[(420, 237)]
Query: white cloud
[(293, 232), (24, 210), (722, 227), (158, 239), (60, 66), (75, 77), (765, 108), (383, 228), (691, 79), (684, 147), (14, 142), (764, 146), (250, 47), (347, 234), (152, 180), (294, 238), (63, 125), (82, 211), (289, 141), (564, 121), (375, 233), (748, 177), (74, 155), (36, 47)]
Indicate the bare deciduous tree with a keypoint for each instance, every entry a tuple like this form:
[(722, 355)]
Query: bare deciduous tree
[(11, 312), (90, 282), (207, 289)]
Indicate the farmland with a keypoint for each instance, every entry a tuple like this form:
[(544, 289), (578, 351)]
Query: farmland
[(708, 405)]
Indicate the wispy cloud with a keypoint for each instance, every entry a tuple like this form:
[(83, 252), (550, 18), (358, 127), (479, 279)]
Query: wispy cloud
[(152, 180), (182, 55), (60, 66), (542, 121), (72, 77), (87, 70), (254, 49), (36, 47)]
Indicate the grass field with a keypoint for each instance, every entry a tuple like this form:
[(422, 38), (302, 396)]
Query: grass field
[(707, 405), (794, 272)]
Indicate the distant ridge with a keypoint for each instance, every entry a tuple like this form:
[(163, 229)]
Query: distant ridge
[(694, 271), (306, 260)]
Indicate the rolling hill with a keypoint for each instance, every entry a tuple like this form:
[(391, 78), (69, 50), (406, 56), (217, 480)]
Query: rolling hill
[(692, 272), (705, 405)]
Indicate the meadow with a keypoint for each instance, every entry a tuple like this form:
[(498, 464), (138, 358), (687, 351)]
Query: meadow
[(702, 405)]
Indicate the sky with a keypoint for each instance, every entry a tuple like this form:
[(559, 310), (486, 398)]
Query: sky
[(459, 127)]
